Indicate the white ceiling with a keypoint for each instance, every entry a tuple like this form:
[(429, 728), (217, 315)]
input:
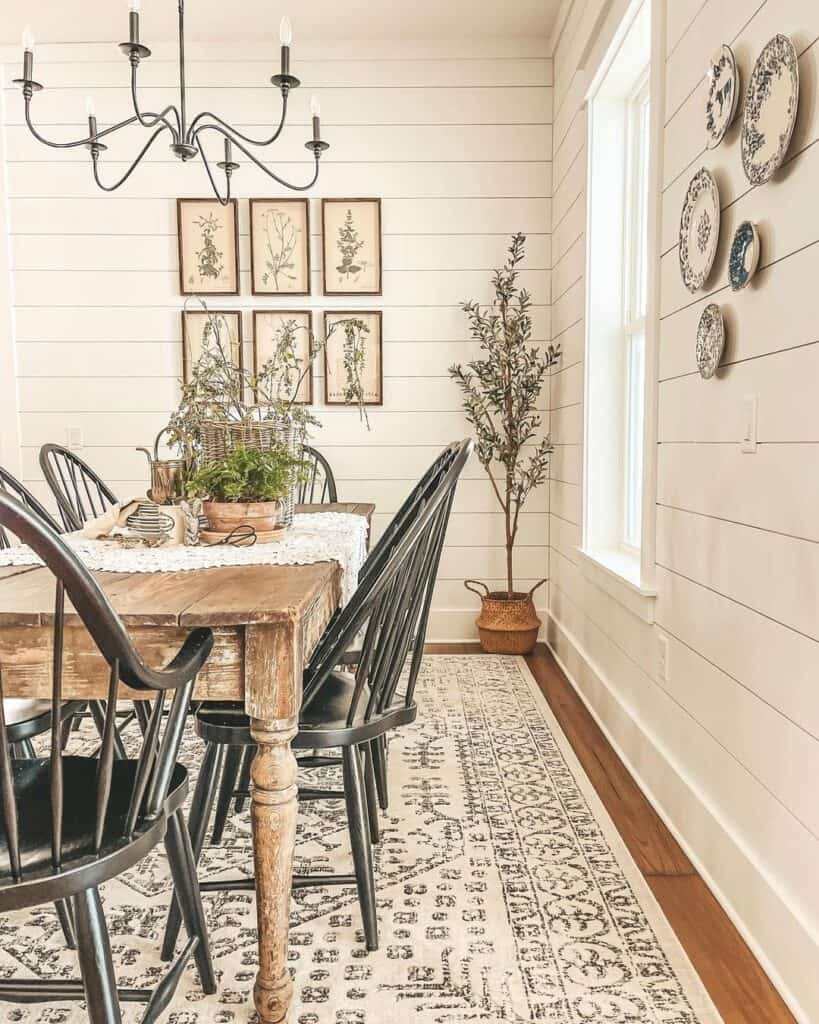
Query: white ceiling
[(98, 20)]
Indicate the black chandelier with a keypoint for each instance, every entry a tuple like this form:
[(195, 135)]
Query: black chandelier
[(185, 136)]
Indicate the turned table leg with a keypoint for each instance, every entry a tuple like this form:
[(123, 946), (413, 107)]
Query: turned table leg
[(274, 807)]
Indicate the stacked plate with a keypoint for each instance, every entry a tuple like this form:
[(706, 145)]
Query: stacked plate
[(149, 521)]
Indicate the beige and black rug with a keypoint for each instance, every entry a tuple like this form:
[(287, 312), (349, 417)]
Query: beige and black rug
[(505, 893)]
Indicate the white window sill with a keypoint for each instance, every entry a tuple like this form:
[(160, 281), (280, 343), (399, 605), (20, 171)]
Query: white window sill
[(618, 573)]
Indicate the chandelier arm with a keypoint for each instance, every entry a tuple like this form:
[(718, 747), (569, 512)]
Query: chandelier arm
[(234, 134), (259, 164), (147, 118), (226, 200), (88, 141), (127, 175)]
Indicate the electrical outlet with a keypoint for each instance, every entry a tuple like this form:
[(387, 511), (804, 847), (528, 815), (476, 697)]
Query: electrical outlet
[(750, 417), (662, 660), (73, 437)]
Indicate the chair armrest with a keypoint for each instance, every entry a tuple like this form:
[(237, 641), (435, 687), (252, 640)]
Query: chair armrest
[(191, 656)]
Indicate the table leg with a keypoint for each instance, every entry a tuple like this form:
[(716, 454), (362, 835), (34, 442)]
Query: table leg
[(274, 807)]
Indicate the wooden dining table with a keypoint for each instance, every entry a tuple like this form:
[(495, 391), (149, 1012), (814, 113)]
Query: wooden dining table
[(266, 621)]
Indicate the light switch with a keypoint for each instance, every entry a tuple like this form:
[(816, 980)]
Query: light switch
[(74, 437), (750, 411)]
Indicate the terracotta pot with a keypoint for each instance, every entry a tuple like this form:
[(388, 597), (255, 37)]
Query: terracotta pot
[(224, 516), (506, 625)]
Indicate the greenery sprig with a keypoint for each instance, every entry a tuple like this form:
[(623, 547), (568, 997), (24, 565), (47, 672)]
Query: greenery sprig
[(247, 474)]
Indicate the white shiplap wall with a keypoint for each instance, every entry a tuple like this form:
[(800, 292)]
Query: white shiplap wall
[(455, 137), (728, 745)]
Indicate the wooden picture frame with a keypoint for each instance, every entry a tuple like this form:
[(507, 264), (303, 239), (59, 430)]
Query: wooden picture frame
[(233, 319), (351, 246), (373, 381), (260, 355), (213, 268), (279, 246)]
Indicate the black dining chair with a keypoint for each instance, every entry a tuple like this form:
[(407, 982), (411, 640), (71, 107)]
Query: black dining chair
[(27, 719), (318, 485), (70, 823), (234, 765), (348, 710), (80, 493)]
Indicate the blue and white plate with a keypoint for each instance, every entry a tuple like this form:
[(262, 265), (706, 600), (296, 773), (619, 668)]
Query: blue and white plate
[(723, 93), (710, 340), (744, 256), (770, 110), (699, 229)]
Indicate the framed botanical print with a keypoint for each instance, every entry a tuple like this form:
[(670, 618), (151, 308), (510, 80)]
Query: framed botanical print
[(351, 236), (284, 335), (280, 246), (208, 247), (353, 358), (216, 327)]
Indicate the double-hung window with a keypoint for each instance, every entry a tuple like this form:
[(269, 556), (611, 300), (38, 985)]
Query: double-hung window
[(618, 333)]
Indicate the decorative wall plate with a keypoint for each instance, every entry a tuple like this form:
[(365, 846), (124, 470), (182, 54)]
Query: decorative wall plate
[(744, 255), (723, 93), (710, 340), (770, 110), (699, 229)]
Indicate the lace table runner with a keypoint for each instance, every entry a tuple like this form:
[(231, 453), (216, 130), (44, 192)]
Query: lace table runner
[(314, 537)]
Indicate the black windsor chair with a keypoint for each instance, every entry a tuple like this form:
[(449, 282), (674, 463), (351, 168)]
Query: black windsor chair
[(346, 710), (70, 823)]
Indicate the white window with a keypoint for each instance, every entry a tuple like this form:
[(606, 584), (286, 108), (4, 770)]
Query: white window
[(617, 298)]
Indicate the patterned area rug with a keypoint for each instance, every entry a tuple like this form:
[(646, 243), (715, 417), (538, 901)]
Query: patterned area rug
[(505, 893)]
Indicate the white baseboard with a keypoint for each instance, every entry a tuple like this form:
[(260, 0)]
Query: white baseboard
[(656, 752)]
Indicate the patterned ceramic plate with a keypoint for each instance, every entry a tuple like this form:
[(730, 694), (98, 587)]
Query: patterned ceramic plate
[(723, 93), (744, 256), (710, 340), (699, 229), (770, 110)]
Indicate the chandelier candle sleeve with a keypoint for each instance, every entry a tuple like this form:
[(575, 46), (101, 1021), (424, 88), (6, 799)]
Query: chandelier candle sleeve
[(28, 55), (315, 110), (285, 38), (133, 21)]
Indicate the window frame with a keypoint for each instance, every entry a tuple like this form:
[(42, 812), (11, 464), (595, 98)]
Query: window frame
[(623, 569)]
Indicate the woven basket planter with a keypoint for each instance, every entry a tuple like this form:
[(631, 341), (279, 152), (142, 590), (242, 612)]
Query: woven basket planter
[(219, 437), (506, 625)]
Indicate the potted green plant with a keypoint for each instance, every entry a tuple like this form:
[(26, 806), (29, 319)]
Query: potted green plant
[(500, 398), (245, 488)]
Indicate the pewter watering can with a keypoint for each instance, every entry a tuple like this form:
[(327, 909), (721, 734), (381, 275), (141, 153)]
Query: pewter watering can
[(167, 475)]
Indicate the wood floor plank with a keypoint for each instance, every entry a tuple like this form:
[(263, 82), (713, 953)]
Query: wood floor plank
[(652, 846), (740, 989)]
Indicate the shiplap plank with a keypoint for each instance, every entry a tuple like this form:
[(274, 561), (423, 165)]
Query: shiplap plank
[(777, 664), (770, 573), (394, 179), (774, 489), (785, 384), (130, 215)]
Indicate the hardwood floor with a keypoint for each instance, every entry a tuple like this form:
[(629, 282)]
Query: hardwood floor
[(739, 987)]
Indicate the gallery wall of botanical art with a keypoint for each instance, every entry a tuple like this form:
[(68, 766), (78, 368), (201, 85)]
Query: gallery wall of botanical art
[(280, 265)]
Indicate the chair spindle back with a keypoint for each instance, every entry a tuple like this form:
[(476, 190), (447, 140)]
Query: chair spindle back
[(80, 493), (159, 748), (392, 602), (11, 485), (319, 485)]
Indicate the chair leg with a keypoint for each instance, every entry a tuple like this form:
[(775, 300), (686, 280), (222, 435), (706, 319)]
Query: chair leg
[(244, 776), (358, 823), (28, 749), (201, 807), (63, 908), (379, 749), (372, 798), (186, 884), (230, 777), (96, 964)]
